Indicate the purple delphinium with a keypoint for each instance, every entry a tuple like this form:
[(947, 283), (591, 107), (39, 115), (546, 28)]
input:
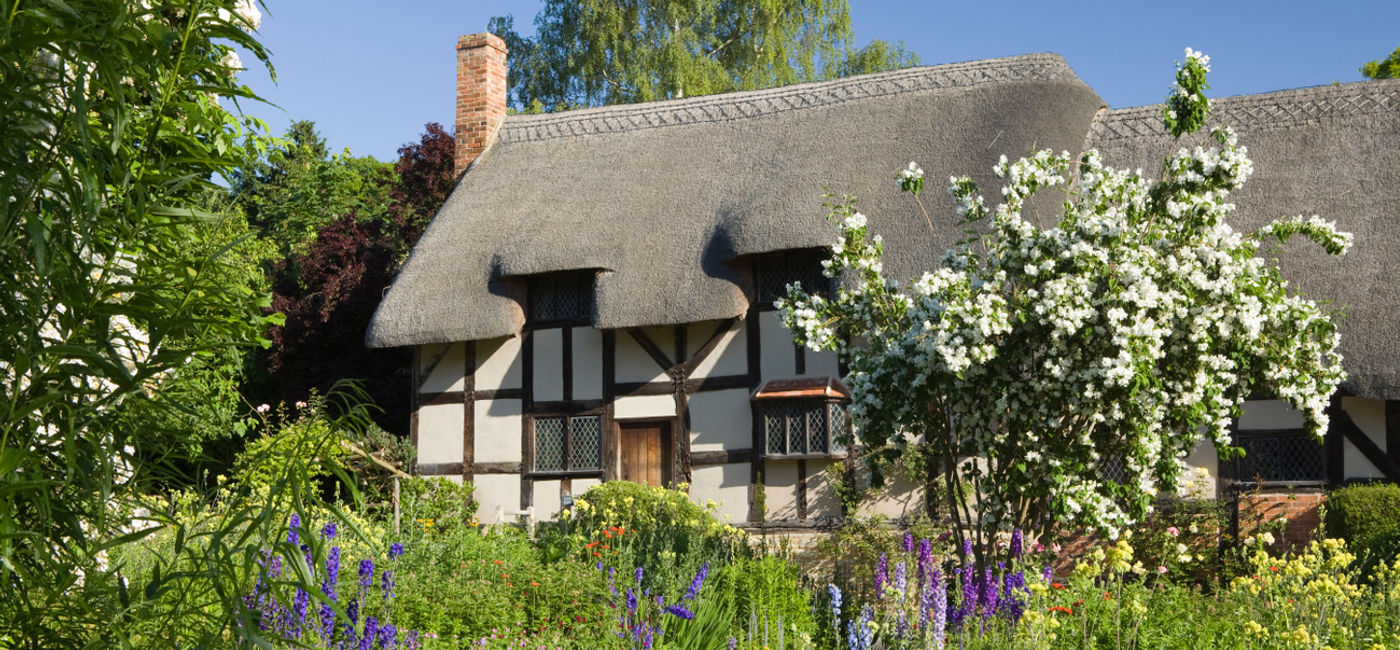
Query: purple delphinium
[(867, 633), (882, 576), (900, 580), (1048, 574), (299, 606), (388, 636), (410, 640), (366, 573), (395, 550), (371, 633), (328, 587), (679, 611), (631, 600), (637, 576), (698, 582), (1012, 605), (733, 643), (967, 549), (1018, 543), (908, 542), (968, 606), (386, 583), (938, 626), (328, 531), (988, 597), (925, 562), (352, 612), (853, 634)]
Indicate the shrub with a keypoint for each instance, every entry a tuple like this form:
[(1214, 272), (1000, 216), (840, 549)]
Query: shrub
[(436, 505), (1368, 517)]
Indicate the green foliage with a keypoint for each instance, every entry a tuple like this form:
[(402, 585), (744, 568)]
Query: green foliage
[(299, 186), (769, 595), (1387, 68), (607, 52), (1368, 517), (436, 506)]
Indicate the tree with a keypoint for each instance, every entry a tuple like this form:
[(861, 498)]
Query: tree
[(1033, 356), (113, 131), (329, 291), (598, 52), (1387, 68), (299, 186)]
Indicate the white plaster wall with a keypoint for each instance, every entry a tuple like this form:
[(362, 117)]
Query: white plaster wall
[(447, 375), (581, 485), (899, 498), (821, 498), (496, 490), (549, 365), (720, 420), (634, 364), (1369, 416), (498, 363), (730, 356), (546, 499), (780, 488), (440, 433), (496, 430), (1270, 414), (1202, 472), (727, 485), (776, 359), (644, 406), (822, 364), (588, 363)]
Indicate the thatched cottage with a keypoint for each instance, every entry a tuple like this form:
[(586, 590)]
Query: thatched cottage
[(594, 301)]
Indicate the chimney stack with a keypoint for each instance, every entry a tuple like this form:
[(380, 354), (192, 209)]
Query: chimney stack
[(481, 94)]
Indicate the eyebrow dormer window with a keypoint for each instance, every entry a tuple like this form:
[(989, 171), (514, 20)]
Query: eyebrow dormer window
[(565, 297), (773, 272)]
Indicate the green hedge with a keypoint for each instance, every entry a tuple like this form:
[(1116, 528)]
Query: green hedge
[(1368, 517)]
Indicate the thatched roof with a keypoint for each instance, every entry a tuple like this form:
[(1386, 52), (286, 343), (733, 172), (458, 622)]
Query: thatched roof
[(665, 198), (1333, 151)]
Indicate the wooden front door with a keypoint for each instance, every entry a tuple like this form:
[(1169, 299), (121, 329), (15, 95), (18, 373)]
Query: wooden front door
[(645, 451)]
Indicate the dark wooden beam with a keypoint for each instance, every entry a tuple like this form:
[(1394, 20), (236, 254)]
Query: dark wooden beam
[(721, 457), (651, 348), (568, 407), (1332, 444), (718, 382), (469, 412), (799, 360), (680, 437), (439, 469), (439, 399), (802, 489), (499, 393), (609, 429), (496, 468), (751, 332), (1368, 448), (709, 347), (1392, 430)]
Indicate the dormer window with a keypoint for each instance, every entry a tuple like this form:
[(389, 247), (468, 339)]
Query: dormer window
[(560, 298), (772, 273)]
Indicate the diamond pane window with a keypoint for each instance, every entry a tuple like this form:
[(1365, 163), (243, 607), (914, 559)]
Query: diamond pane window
[(1282, 456), (568, 443), (561, 297), (774, 271), (803, 428)]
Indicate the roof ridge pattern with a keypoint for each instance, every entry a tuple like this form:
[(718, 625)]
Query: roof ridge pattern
[(1284, 109), (749, 104)]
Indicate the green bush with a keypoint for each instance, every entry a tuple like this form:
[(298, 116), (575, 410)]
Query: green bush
[(1368, 517), (436, 505)]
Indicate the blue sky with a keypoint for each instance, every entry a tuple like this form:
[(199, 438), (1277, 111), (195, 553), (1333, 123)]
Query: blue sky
[(371, 74)]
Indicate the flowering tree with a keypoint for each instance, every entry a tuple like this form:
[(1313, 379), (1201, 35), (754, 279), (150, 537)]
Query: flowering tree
[(1033, 357)]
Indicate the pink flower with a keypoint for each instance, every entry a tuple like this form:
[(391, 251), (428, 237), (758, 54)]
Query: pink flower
[(1173, 531), (263, 408), (1161, 570)]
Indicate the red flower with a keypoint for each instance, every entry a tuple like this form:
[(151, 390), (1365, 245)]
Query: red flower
[(1062, 610)]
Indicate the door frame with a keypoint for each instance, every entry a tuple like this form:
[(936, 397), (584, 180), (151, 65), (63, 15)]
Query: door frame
[(668, 426)]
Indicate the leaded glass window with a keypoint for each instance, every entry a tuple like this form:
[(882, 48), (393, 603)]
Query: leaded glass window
[(561, 297), (568, 443), (773, 272), (803, 428), (1290, 456)]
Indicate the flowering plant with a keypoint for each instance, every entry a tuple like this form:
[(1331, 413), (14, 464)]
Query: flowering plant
[(1135, 323)]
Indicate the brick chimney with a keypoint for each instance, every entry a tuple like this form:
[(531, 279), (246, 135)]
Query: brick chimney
[(481, 94)]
